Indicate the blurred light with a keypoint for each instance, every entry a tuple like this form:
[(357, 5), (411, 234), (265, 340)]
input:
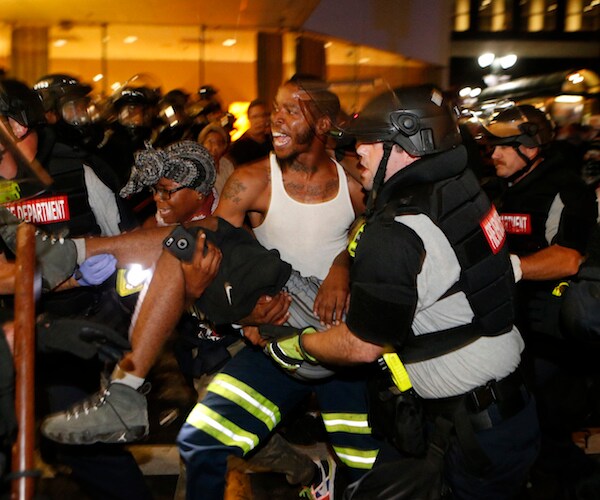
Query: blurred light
[(508, 61), (364, 60), (115, 85), (239, 109), (485, 60), (130, 39), (98, 77), (136, 275), (575, 78), (568, 98), (475, 92), (229, 42), (464, 92), (328, 44), (61, 42)]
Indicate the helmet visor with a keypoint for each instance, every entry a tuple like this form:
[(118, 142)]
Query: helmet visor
[(81, 111)]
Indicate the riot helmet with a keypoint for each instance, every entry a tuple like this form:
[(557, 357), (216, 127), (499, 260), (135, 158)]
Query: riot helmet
[(418, 119), (518, 125), (54, 87), (19, 102), (172, 108), (134, 102)]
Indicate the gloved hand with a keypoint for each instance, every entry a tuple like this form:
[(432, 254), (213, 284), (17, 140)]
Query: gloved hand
[(56, 255), (289, 353), (96, 270), (82, 338)]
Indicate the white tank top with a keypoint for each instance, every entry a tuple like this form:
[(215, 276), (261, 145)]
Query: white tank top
[(308, 235)]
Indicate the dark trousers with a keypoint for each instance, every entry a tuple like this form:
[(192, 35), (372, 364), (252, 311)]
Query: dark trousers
[(248, 399), (511, 446), (105, 472)]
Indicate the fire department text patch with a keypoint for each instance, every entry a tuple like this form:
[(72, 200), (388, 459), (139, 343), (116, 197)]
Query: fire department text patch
[(41, 210), (493, 230), (517, 223)]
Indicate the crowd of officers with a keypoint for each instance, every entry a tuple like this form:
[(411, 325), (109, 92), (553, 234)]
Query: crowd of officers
[(432, 215)]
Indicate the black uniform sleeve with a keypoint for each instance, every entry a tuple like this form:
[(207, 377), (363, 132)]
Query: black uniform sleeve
[(578, 216), (384, 293)]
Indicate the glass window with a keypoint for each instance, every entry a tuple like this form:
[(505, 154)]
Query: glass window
[(462, 15), (538, 15), (494, 15)]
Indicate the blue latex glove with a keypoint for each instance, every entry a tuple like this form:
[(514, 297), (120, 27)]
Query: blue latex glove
[(96, 270)]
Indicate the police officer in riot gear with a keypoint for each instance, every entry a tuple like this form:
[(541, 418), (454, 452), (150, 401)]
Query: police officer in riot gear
[(132, 109), (175, 122), (70, 110), (81, 203), (432, 282), (548, 214)]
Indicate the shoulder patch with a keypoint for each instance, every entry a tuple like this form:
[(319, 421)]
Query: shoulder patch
[(493, 229)]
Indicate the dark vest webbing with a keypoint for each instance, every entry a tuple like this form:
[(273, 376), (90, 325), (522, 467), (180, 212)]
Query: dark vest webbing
[(69, 180), (457, 206)]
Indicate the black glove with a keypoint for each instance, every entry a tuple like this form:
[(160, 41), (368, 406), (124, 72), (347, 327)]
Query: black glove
[(82, 338)]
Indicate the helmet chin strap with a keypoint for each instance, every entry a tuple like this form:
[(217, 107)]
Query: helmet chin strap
[(378, 179), (529, 162)]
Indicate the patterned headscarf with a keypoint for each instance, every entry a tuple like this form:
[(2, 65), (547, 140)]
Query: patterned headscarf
[(186, 162)]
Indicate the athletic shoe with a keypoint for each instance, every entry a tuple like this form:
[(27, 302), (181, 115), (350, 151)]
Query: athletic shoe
[(323, 486), (57, 257), (119, 414)]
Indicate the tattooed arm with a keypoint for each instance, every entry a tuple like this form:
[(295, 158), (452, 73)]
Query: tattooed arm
[(246, 191)]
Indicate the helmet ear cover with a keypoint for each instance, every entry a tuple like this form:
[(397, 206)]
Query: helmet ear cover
[(529, 128), (407, 123)]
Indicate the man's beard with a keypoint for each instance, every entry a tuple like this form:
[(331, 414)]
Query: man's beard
[(302, 139)]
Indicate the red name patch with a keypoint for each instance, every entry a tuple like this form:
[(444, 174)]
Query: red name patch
[(41, 210), (517, 223), (493, 230)]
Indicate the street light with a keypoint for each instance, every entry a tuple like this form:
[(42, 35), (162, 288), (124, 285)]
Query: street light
[(496, 64), (489, 59)]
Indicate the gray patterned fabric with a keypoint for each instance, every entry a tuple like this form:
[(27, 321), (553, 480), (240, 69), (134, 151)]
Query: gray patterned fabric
[(186, 162)]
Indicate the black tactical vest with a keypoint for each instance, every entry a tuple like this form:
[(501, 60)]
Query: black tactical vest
[(474, 230)]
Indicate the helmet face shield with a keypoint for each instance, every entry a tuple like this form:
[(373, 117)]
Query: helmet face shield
[(79, 111), (319, 106), (134, 115)]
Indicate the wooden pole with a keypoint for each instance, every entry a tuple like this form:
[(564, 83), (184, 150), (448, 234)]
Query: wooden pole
[(24, 356)]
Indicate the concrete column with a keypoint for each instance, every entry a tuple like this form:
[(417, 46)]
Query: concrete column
[(310, 57), (269, 65), (29, 55)]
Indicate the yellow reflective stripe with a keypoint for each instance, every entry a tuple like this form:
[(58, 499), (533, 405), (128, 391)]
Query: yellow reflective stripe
[(355, 423), (355, 458), (245, 396), (223, 430)]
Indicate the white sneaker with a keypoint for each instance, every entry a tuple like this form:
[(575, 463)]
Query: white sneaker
[(324, 490)]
